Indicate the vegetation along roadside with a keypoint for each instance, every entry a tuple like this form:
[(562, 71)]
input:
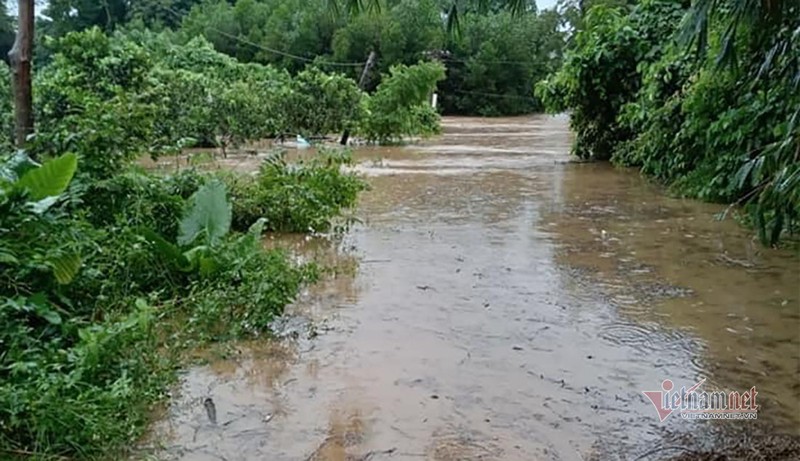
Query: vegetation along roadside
[(109, 272)]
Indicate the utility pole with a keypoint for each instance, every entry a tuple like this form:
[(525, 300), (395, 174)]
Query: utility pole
[(20, 56), (361, 83)]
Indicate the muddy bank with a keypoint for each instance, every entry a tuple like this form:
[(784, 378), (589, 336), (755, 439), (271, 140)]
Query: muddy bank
[(505, 304)]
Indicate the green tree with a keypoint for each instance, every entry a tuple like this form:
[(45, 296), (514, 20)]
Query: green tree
[(288, 33), (718, 121), (602, 71), (400, 105), (400, 33), (160, 13), (95, 99), (321, 104), (76, 15), (489, 74)]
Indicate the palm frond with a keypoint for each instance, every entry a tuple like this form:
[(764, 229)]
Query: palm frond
[(762, 18)]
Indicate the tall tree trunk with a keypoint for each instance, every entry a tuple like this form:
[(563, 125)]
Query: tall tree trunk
[(20, 57)]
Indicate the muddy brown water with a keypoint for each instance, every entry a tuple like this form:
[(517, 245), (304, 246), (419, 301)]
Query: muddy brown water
[(498, 302)]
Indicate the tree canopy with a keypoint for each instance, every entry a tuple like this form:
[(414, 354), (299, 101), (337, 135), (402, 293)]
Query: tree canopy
[(494, 57)]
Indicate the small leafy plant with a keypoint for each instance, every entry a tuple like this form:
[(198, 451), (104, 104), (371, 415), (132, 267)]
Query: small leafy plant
[(304, 196)]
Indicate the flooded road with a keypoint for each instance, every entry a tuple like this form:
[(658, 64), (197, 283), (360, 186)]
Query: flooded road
[(500, 303)]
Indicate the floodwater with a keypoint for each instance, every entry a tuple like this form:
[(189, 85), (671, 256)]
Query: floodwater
[(499, 302)]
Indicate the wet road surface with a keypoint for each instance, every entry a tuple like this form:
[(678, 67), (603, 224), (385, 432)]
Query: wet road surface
[(498, 302)]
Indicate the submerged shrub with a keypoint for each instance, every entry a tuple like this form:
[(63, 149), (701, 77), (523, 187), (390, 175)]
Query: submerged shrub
[(243, 298), (303, 196), (400, 107), (320, 104)]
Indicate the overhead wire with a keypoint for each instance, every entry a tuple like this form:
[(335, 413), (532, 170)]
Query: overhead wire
[(356, 64), (273, 50), (318, 61)]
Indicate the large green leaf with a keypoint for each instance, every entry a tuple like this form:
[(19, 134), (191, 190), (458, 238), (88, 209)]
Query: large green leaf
[(167, 250), (50, 179), (209, 214)]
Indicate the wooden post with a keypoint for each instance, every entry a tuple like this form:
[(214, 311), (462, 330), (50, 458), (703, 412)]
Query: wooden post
[(361, 82), (20, 56)]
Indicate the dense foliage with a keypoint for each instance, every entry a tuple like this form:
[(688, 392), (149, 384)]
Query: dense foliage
[(400, 105), (107, 272), (96, 273), (493, 58), (153, 95), (496, 60), (718, 121), (295, 197), (91, 284)]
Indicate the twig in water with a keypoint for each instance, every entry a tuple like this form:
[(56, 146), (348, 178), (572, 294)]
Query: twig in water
[(369, 455)]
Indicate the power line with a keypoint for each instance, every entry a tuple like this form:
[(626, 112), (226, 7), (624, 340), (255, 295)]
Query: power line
[(272, 50), (323, 62), (331, 63)]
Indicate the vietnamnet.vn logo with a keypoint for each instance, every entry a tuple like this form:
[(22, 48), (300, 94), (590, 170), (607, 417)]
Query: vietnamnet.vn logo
[(692, 403)]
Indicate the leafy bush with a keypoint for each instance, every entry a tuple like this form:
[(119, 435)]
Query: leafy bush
[(135, 199), (37, 252), (400, 105), (319, 103), (295, 197), (715, 128), (70, 387), (112, 99), (209, 98), (243, 297), (602, 72), (61, 378), (94, 100), (184, 117)]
